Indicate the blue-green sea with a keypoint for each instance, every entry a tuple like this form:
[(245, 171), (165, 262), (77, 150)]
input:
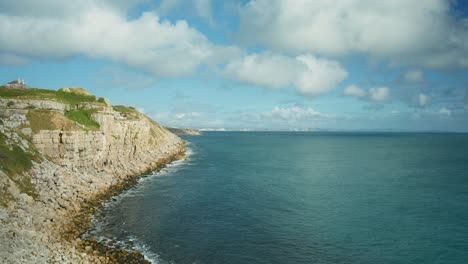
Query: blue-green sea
[(291, 197)]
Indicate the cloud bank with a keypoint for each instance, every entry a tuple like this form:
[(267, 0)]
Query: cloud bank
[(378, 94), (402, 31), (99, 29), (309, 75)]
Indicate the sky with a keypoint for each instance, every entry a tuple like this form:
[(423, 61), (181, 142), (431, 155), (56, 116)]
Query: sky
[(348, 65)]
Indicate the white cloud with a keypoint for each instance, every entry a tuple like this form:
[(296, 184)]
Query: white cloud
[(423, 99), (166, 6), (414, 76), (355, 91), (288, 118), (401, 30), (99, 29), (203, 9), (445, 111), (186, 119), (293, 113), (63, 9), (189, 115), (13, 60), (379, 93), (309, 75)]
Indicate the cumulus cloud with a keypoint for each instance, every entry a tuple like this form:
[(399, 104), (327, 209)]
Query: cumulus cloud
[(13, 60), (355, 91), (293, 113), (288, 118), (378, 94), (310, 76), (423, 99), (445, 111), (101, 29), (405, 31), (414, 76), (186, 119), (203, 9), (166, 6), (189, 115)]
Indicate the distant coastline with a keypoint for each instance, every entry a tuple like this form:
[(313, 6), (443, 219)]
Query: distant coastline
[(184, 131)]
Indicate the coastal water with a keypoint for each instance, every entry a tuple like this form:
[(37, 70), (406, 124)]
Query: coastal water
[(260, 197)]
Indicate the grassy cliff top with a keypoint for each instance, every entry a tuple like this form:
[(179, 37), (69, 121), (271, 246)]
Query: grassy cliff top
[(37, 93)]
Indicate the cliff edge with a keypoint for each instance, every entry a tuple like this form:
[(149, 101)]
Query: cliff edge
[(60, 150), (184, 131)]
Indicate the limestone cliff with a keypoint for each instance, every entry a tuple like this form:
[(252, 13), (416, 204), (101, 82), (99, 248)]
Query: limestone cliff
[(184, 131), (58, 150)]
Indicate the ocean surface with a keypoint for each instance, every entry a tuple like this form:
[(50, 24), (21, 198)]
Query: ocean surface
[(273, 197)]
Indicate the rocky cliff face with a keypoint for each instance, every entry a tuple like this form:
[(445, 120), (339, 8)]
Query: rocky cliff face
[(184, 131), (55, 156)]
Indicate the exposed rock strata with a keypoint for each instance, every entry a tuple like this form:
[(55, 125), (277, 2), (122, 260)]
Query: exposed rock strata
[(72, 165), (184, 131)]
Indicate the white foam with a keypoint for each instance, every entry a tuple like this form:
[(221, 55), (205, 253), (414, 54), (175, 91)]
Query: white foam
[(98, 224), (144, 249)]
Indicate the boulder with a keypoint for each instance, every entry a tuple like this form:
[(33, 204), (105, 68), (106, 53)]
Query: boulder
[(75, 90)]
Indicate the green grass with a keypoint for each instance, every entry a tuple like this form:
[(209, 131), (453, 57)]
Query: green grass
[(14, 161), (41, 119), (36, 93), (127, 111), (84, 117)]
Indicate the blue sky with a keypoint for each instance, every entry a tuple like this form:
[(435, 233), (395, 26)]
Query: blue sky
[(252, 64)]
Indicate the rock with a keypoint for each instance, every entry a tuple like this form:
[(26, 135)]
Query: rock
[(71, 167), (75, 90)]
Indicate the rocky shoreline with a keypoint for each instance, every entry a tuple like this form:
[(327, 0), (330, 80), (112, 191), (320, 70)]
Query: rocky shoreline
[(82, 222), (59, 238), (61, 156)]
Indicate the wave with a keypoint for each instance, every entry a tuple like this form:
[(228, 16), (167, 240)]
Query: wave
[(130, 242)]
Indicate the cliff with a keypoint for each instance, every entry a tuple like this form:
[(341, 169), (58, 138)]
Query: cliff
[(184, 131), (59, 151)]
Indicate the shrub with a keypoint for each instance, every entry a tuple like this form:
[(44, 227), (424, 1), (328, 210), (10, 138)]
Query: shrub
[(84, 117), (35, 93), (14, 161)]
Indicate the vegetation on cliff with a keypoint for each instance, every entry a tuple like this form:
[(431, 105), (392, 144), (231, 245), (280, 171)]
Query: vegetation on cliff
[(184, 131), (84, 117), (14, 161), (41, 94), (40, 119), (62, 153), (127, 111)]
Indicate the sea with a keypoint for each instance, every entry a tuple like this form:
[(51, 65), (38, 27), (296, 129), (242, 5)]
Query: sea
[(301, 197)]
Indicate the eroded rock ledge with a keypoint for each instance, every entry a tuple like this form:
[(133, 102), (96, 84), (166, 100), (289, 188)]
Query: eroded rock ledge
[(59, 160)]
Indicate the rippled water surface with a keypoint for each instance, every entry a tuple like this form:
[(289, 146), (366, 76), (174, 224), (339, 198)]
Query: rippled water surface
[(258, 197)]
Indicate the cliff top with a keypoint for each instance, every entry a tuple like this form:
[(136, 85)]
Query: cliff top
[(45, 94), (76, 90), (52, 117)]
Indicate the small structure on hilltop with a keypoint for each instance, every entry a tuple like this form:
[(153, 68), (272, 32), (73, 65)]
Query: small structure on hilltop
[(17, 84)]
